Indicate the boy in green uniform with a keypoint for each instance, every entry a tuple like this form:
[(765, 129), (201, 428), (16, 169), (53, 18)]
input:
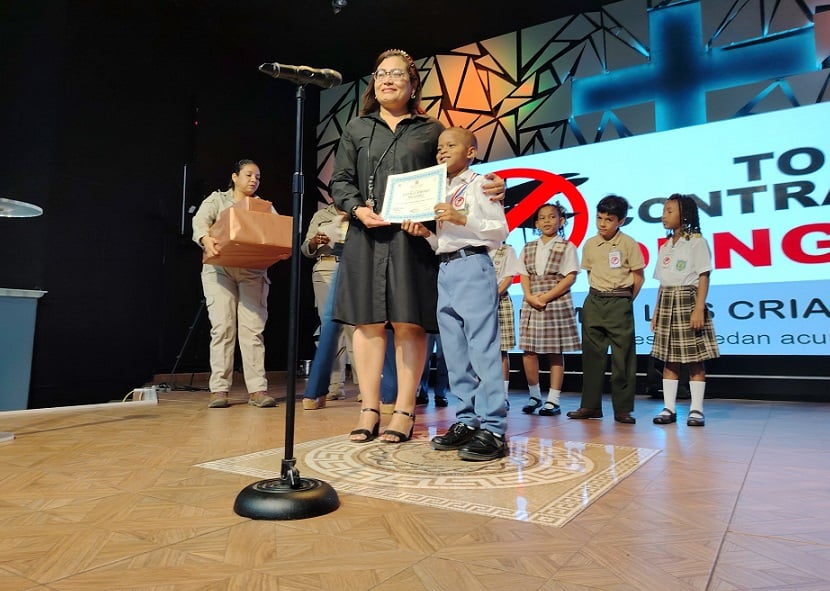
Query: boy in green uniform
[(615, 275)]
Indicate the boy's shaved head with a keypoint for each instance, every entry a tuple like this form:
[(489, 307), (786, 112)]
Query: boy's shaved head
[(467, 137)]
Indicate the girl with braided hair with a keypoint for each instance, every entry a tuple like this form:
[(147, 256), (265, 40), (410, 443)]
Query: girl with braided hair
[(682, 326)]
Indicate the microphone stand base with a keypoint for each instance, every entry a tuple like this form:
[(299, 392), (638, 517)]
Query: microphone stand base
[(285, 499)]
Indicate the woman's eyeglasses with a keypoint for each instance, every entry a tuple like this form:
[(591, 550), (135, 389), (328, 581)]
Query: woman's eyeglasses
[(395, 74)]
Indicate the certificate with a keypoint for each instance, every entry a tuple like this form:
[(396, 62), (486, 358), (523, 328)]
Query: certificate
[(413, 195)]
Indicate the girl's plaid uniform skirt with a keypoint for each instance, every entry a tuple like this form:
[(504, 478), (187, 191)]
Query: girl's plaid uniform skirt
[(674, 340), (507, 330), (552, 330)]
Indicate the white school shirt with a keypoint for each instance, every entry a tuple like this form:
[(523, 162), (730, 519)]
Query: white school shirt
[(682, 263), (486, 224), (510, 266), (569, 263)]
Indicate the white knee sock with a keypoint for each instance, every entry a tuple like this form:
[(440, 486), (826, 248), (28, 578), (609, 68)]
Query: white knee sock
[(697, 390), (506, 387), (535, 391), (670, 394), (553, 396)]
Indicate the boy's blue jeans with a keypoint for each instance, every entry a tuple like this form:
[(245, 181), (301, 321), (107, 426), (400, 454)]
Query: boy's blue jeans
[(469, 325)]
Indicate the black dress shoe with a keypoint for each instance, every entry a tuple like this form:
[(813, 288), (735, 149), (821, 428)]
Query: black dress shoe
[(421, 399), (441, 401), (550, 409), (665, 417), (458, 435), (625, 417), (585, 413), (483, 447)]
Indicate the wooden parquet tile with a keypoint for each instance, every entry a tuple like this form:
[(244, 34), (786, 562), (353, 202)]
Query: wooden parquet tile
[(111, 498)]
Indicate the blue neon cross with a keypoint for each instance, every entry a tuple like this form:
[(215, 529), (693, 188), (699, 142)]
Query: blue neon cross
[(681, 70)]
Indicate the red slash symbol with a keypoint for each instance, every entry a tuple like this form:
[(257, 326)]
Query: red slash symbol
[(550, 185)]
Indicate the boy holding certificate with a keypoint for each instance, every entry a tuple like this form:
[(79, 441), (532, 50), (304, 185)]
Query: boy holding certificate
[(469, 225)]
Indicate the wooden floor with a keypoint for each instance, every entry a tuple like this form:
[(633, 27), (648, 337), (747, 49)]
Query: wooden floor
[(110, 498)]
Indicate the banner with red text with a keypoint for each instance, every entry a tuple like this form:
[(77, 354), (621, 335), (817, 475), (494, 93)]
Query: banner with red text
[(762, 183)]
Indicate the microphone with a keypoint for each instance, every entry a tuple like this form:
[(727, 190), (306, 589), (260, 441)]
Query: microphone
[(303, 74)]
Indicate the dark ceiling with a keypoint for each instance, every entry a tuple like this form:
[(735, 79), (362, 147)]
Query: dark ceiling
[(97, 121), (310, 33)]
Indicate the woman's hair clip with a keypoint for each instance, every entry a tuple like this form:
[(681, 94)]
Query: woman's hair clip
[(404, 55)]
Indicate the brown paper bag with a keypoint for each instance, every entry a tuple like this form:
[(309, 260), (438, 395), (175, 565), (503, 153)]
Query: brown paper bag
[(250, 236)]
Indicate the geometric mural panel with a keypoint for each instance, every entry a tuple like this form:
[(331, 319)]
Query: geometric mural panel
[(811, 88), (631, 67)]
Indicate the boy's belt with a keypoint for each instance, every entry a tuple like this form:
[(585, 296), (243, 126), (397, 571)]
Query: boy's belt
[(462, 252), (624, 292), (328, 257)]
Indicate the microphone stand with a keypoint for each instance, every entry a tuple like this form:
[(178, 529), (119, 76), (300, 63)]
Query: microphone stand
[(290, 496)]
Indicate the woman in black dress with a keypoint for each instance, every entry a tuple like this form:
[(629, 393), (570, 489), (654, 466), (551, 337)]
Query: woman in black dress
[(386, 275)]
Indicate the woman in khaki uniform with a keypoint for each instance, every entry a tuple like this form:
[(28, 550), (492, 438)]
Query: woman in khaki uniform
[(236, 298)]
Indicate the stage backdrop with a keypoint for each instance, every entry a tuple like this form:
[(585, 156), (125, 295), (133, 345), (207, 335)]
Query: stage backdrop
[(726, 101)]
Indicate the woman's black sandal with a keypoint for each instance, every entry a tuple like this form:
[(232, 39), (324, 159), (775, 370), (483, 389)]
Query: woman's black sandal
[(369, 435), (401, 436)]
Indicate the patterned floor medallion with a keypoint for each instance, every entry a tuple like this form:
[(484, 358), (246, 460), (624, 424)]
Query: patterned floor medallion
[(542, 481)]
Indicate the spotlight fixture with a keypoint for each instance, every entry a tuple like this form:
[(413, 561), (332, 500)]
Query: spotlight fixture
[(338, 5)]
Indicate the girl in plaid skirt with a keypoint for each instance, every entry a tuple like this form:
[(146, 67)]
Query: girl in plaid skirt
[(547, 323), (506, 264), (682, 326)]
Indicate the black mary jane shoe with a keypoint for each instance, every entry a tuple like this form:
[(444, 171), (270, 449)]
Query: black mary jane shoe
[(368, 435), (401, 436), (665, 417), (531, 406), (550, 409), (696, 419)]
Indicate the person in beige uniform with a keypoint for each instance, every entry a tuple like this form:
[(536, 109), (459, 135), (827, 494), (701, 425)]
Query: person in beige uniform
[(615, 273), (237, 299), (324, 242)]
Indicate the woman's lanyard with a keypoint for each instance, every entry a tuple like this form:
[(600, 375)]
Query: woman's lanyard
[(370, 202)]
